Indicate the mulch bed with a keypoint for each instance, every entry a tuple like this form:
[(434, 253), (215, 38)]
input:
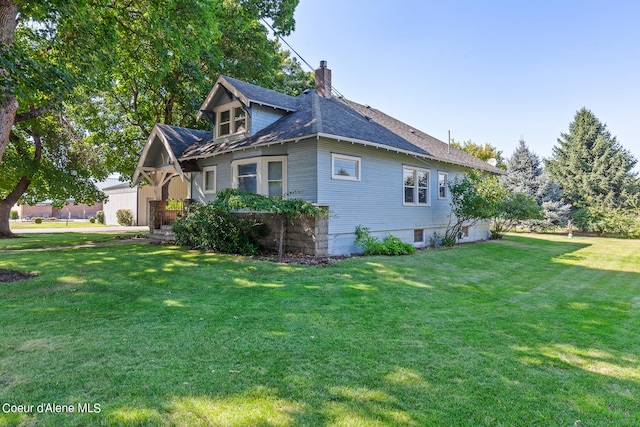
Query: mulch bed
[(7, 276), (302, 259)]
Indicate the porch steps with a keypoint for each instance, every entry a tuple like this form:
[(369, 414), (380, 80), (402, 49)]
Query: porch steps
[(163, 233)]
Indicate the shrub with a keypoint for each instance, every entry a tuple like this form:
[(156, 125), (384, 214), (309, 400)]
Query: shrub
[(92, 220), (38, 220), (390, 245), (603, 220), (125, 217), (449, 241), (212, 228), (435, 240), (100, 217), (175, 205), (14, 215)]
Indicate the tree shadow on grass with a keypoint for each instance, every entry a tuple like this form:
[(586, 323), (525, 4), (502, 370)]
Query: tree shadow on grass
[(432, 339)]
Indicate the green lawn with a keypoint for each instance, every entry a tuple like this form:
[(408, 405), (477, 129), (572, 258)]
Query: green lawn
[(529, 331), (42, 240), (21, 225)]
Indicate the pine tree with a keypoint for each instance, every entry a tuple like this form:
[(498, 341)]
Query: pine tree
[(525, 175), (523, 170), (593, 169)]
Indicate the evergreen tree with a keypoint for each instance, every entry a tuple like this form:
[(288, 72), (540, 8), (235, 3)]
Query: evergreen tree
[(592, 168), (549, 196), (523, 170), (525, 175)]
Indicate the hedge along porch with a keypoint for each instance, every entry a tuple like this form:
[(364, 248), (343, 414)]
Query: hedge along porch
[(302, 234)]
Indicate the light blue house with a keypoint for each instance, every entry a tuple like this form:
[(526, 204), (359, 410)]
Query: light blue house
[(367, 167)]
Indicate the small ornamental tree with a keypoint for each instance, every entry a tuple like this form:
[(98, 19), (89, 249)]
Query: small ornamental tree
[(514, 208), (473, 198), (476, 197)]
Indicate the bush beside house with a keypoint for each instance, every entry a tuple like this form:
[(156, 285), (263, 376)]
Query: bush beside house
[(125, 217)]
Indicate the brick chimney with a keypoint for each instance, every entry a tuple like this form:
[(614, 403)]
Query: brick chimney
[(323, 80)]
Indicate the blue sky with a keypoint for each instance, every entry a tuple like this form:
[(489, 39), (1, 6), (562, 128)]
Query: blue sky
[(488, 71)]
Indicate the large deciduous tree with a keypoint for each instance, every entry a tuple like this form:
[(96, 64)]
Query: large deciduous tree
[(484, 151), (82, 83), (591, 166)]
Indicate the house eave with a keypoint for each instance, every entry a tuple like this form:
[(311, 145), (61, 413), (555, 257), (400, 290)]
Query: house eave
[(141, 169), (235, 95), (276, 107), (319, 135)]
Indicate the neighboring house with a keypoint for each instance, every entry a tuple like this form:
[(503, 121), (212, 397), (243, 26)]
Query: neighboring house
[(367, 167), (136, 199), (70, 210)]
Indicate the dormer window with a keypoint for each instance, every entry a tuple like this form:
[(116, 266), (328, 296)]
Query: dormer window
[(231, 121)]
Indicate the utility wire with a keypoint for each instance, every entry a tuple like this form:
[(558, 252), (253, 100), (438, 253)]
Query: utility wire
[(277, 34)]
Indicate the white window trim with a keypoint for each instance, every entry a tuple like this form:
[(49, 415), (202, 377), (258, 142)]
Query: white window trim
[(358, 160), (262, 170), (231, 108), (205, 170), (446, 185), (415, 180)]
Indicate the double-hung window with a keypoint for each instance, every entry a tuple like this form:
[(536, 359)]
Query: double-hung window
[(443, 182), (275, 178), (247, 177), (261, 175), (209, 180), (230, 121), (415, 182)]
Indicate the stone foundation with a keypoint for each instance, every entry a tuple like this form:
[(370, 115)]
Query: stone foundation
[(303, 234)]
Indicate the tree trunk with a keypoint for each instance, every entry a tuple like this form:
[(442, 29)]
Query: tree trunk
[(8, 102), (12, 198), (5, 210), (281, 237)]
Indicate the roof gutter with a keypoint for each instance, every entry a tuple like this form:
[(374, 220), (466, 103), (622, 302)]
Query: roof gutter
[(319, 135)]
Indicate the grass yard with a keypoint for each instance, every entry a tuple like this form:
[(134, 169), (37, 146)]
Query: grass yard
[(44, 240), (61, 223), (528, 331)]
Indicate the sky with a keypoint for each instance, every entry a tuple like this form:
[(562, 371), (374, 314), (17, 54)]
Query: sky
[(488, 71)]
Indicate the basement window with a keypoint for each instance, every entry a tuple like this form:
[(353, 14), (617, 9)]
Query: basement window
[(418, 235)]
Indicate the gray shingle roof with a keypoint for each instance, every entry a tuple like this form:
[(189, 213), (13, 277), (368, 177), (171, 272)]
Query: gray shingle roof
[(181, 138), (339, 118), (262, 95), (434, 147)]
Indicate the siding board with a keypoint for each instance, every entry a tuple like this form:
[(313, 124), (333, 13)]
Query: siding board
[(376, 201)]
